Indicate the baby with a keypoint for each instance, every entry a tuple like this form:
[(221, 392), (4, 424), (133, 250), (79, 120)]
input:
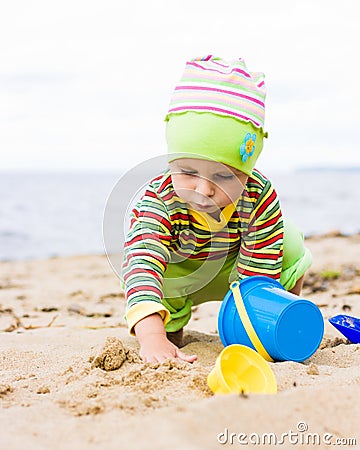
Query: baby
[(211, 218)]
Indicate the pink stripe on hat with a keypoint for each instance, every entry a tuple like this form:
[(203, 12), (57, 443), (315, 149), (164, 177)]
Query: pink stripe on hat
[(225, 112), (223, 91)]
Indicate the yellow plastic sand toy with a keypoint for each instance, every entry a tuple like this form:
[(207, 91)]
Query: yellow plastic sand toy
[(240, 369)]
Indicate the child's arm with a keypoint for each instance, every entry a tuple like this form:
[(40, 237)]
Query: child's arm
[(261, 245), (154, 345)]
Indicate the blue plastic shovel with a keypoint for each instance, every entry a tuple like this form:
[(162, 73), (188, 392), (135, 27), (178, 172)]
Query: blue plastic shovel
[(347, 325)]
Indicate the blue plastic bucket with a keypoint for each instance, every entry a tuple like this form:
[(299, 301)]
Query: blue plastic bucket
[(286, 327)]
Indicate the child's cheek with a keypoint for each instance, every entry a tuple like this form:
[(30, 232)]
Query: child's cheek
[(235, 193), (181, 187)]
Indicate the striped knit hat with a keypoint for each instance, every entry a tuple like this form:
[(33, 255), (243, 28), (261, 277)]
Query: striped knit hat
[(217, 113)]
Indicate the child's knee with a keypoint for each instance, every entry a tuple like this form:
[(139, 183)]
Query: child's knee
[(296, 257), (294, 247), (180, 312)]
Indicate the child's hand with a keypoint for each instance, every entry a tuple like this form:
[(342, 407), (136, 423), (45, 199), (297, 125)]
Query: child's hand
[(154, 345), (157, 348)]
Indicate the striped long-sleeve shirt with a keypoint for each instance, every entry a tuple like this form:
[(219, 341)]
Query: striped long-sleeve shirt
[(163, 228)]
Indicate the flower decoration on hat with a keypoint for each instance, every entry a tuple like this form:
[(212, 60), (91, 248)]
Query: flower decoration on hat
[(247, 149)]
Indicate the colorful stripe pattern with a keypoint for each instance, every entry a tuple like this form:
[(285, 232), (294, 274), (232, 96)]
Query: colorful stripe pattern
[(163, 228), (213, 85)]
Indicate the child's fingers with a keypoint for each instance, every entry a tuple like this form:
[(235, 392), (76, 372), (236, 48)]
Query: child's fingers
[(185, 357)]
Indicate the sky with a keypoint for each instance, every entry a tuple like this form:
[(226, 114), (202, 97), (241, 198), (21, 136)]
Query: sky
[(85, 85)]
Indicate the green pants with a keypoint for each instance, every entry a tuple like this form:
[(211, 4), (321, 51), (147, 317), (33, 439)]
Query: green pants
[(191, 282)]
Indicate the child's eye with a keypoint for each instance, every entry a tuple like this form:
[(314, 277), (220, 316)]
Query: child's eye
[(225, 176), (188, 172)]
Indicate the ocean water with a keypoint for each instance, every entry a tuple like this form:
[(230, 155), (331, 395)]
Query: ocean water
[(57, 214)]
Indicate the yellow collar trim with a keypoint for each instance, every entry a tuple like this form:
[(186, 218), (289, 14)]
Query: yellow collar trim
[(211, 224)]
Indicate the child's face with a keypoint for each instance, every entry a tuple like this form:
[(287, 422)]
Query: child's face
[(206, 186)]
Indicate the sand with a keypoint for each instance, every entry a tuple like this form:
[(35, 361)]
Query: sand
[(71, 376)]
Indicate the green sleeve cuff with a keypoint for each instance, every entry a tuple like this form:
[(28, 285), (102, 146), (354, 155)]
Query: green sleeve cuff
[(143, 309)]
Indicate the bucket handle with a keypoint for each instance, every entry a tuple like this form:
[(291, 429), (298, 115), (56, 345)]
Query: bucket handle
[(245, 319)]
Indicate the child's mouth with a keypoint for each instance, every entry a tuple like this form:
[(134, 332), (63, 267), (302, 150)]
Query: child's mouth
[(203, 207)]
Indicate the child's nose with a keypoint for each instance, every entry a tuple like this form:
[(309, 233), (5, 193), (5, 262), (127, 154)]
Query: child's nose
[(205, 187)]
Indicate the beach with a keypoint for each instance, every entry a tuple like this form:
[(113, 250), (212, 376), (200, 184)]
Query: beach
[(72, 378)]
